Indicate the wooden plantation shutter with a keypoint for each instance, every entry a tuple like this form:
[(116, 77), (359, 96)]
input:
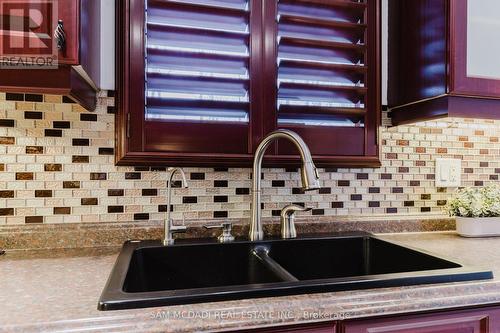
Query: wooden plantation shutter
[(322, 80), (197, 76), (201, 82)]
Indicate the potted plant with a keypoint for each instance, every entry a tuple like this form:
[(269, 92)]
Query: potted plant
[(477, 211)]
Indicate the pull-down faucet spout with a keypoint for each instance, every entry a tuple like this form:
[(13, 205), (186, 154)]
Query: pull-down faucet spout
[(309, 175)]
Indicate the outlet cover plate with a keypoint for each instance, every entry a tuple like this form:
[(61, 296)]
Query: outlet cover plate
[(448, 172)]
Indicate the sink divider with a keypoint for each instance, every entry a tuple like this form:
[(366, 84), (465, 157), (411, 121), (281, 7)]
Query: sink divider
[(262, 254)]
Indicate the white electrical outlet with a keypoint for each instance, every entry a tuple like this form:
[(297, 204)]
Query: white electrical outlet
[(448, 172)]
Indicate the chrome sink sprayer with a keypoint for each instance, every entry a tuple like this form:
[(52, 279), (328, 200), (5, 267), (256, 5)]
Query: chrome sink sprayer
[(309, 175), (169, 228)]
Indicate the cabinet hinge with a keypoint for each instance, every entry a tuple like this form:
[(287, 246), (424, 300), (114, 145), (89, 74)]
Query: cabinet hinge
[(128, 125)]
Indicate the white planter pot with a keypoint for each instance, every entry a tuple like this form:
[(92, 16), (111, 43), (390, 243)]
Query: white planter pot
[(478, 226)]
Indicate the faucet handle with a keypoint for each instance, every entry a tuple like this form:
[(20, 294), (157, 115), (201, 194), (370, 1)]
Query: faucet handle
[(175, 229), (226, 231), (287, 218), (289, 211)]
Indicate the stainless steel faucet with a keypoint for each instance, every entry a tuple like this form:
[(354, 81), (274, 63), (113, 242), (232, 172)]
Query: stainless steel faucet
[(309, 175), (169, 228)]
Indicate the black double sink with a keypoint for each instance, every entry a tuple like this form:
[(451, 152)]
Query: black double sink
[(148, 274)]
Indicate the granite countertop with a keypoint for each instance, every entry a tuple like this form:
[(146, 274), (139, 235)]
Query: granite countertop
[(57, 290)]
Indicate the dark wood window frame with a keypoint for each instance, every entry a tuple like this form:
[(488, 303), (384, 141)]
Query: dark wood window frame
[(130, 130)]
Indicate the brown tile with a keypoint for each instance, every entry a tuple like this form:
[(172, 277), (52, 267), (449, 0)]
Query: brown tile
[(362, 176), (468, 145), (56, 133), (7, 122), (7, 140), (2, 167), (391, 156), (6, 194), (356, 197), (115, 209), (402, 142), (442, 150), (325, 190), (6, 211), (33, 219), (71, 184), (420, 150), (132, 175), (141, 216), (463, 138), (53, 167), (62, 210), (81, 142), (33, 98), (34, 150), (61, 124), (479, 132), (483, 151), (343, 183), (88, 117), (43, 193), (14, 97), (149, 192), (98, 176), (494, 139), (80, 159), (24, 175), (33, 115), (89, 201), (115, 193), (106, 151)]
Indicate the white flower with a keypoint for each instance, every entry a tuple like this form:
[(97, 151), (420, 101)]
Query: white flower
[(476, 202)]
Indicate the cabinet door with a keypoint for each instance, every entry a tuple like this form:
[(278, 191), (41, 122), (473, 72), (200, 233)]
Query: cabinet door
[(68, 13), (454, 322), (475, 26), (311, 328)]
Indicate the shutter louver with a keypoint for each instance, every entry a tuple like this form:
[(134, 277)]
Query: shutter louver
[(321, 63), (197, 56)]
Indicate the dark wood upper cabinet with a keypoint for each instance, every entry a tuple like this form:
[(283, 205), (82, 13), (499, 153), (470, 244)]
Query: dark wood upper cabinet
[(442, 59), (202, 82), (36, 22)]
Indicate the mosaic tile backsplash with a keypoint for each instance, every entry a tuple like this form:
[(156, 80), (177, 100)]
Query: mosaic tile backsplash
[(57, 166)]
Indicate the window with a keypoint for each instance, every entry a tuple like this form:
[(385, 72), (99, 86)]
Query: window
[(201, 82)]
